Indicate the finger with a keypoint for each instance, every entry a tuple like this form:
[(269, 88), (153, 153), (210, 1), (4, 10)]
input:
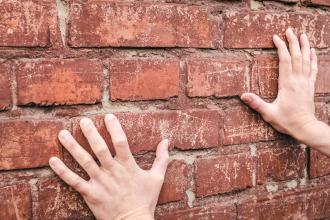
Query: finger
[(71, 178), (306, 54), (118, 138), (162, 158), (285, 65), (259, 105), (85, 160), (294, 51), (314, 68), (96, 142)]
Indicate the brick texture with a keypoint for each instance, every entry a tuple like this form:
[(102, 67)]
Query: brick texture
[(280, 161), (144, 79), (241, 125), (317, 2), (214, 211), (319, 164), (16, 202), (167, 69), (58, 201), (140, 25), (59, 82), (33, 21), (5, 94), (222, 174), (241, 28), (220, 77), (27, 143), (177, 181)]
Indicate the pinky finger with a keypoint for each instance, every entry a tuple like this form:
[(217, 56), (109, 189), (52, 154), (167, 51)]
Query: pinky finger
[(314, 68), (71, 178)]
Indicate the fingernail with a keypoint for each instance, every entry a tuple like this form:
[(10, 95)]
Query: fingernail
[(166, 141), (52, 161), (63, 134), (84, 121), (246, 98), (109, 117)]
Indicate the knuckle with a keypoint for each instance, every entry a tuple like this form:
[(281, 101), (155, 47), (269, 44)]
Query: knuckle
[(101, 152), (88, 163), (120, 142)]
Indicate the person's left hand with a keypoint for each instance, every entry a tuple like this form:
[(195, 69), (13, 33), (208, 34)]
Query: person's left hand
[(119, 188)]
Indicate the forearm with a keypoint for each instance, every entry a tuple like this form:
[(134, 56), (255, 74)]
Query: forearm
[(316, 135)]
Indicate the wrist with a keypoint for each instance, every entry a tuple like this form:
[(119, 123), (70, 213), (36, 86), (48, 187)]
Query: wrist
[(306, 133), (136, 214)]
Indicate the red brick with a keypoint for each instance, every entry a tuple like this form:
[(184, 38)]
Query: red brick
[(144, 79), (280, 161), (285, 208), (197, 129), (255, 29), (319, 164), (16, 202), (214, 211), (141, 25), (28, 143), (58, 82), (317, 2), (56, 200), (27, 23), (5, 94), (323, 76), (177, 180), (186, 130), (223, 173), (242, 125), (265, 73), (318, 204), (220, 77)]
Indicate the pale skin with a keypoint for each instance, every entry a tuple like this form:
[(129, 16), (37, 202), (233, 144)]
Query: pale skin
[(120, 189)]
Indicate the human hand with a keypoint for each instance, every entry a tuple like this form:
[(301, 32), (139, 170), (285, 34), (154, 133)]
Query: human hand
[(293, 110), (119, 188)]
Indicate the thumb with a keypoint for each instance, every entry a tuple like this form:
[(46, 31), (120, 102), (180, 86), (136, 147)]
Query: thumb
[(162, 158), (256, 103)]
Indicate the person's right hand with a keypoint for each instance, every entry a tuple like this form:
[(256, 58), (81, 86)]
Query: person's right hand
[(293, 110)]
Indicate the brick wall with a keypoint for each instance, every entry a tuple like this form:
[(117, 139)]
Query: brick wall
[(166, 68)]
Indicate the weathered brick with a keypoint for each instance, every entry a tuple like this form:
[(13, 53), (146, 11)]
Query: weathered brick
[(265, 71), (140, 25), (285, 208), (318, 203), (317, 2), (5, 94), (28, 143), (177, 180), (197, 129), (58, 82), (16, 202), (220, 77), (242, 125), (27, 23), (186, 130), (214, 211), (279, 161), (323, 76), (241, 28), (319, 164), (143, 79), (56, 200), (225, 173)]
